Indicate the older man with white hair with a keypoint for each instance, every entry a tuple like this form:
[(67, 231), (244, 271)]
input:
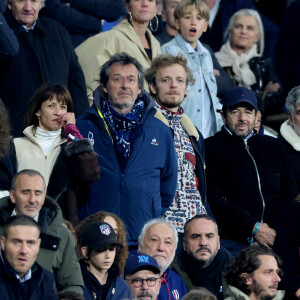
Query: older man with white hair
[(45, 54), (290, 131), (159, 239)]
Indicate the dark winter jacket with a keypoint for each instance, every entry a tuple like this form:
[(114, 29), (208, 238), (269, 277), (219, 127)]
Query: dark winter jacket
[(57, 249), (264, 72), (45, 54), (172, 286), (82, 19), (9, 45), (210, 277), (114, 289), (40, 286), (146, 187), (235, 172)]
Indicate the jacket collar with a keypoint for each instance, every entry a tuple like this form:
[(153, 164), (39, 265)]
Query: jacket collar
[(17, 27), (186, 123), (290, 135)]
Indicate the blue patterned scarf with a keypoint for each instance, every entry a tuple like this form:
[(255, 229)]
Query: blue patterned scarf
[(122, 125)]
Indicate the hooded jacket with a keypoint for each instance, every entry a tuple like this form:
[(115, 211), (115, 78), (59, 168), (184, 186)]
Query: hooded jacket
[(57, 249), (146, 187), (95, 51)]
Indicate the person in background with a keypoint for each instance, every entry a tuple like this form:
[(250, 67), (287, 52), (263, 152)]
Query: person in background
[(9, 44), (99, 271), (201, 104), (45, 54), (83, 19), (53, 146), (131, 35), (220, 13), (200, 293), (242, 58), (169, 31)]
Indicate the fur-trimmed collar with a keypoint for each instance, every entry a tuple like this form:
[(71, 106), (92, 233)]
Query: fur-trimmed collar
[(186, 123), (290, 135)]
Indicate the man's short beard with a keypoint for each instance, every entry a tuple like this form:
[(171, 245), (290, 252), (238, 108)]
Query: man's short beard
[(257, 290), (204, 263)]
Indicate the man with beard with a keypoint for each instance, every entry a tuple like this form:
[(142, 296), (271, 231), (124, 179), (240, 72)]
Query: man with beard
[(142, 276), (202, 261), (253, 275), (249, 182), (159, 239)]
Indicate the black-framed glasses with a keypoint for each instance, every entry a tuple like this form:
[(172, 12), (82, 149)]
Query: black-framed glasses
[(138, 282)]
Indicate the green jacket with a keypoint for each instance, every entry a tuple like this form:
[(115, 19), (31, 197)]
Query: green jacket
[(57, 251), (233, 293)]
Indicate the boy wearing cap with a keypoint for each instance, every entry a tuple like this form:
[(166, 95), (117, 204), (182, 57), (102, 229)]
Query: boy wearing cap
[(248, 182), (142, 275), (99, 271)]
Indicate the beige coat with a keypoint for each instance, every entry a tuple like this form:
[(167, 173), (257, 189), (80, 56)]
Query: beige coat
[(30, 155), (95, 51)]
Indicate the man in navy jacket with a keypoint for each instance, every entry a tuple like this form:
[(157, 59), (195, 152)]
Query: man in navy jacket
[(20, 276), (136, 150)]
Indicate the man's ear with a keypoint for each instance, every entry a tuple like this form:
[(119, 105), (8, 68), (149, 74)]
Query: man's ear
[(247, 279), (104, 89), (177, 24), (152, 88), (12, 196), (222, 116), (3, 242), (184, 244), (83, 251)]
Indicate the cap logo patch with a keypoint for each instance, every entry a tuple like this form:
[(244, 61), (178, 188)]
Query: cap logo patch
[(105, 229), (143, 259)]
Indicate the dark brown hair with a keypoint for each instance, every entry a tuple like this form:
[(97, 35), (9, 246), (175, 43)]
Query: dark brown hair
[(45, 92), (121, 252)]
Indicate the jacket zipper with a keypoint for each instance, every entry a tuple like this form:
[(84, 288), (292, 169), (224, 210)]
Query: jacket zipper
[(258, 180)]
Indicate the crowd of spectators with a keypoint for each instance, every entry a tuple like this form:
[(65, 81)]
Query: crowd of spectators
[(136, 162)]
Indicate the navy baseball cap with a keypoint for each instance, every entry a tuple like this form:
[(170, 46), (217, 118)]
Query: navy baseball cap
[(140, 261), (99, 235), (240, 95)]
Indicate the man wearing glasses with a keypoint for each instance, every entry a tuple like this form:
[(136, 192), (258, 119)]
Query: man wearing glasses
[(142, 275)]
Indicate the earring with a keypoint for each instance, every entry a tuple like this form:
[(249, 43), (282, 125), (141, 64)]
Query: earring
[(129, 16), (156, 23)]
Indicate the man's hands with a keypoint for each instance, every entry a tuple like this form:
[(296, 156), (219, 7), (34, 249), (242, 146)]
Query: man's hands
[(265, 235)]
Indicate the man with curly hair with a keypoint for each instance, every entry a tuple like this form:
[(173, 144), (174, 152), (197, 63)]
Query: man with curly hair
[(254, 275)]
